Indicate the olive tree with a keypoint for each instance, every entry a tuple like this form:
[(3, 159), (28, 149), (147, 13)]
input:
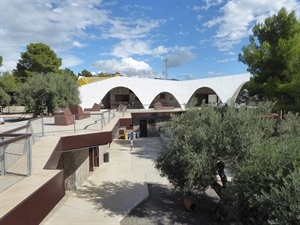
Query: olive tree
[(199, 138), (45, 93)]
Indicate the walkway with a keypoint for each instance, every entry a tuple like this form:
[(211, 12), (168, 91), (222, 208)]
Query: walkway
[(114, 189)]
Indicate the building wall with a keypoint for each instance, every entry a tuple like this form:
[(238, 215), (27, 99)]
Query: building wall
[(146, 90), (76, 167), (153, 125)]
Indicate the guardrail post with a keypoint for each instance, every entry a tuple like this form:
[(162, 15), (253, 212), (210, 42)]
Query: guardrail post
[(74, 121), (43, 127), (29, 157), (2, 161)]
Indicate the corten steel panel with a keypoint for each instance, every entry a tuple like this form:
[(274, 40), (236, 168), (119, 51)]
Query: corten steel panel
[(35, 208), (152, 114), (86, 140), (51, 193), (125, 121)]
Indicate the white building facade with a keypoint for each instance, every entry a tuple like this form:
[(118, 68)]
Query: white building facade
[(221, 89)]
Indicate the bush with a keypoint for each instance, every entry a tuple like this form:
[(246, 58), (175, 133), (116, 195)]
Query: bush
[(266, 188)]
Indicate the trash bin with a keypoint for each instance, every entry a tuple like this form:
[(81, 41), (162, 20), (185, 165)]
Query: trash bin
[(137, 134), (126, 136), (106, 157)]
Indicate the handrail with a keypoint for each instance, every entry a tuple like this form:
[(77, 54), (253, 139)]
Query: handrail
[(16, 137)]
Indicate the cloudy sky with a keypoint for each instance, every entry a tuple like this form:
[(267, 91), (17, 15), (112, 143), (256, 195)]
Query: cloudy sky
[(180, 39)]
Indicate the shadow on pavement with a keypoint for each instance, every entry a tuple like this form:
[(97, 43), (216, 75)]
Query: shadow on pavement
[(164, 207), (109, 194)]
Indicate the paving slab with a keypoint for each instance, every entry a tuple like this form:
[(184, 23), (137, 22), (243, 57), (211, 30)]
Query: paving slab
[(114, 189)]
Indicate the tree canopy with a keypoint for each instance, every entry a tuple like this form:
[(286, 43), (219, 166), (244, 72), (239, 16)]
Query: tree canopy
[(8, 86), (38, 58), (272, 56), (197, 139), (85, 73), (262, 152), (45, 93)]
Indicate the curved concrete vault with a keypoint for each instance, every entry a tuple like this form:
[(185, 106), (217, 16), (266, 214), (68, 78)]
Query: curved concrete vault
[(146, 89)]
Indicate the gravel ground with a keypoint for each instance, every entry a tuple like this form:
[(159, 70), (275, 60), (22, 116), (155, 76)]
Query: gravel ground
[(165, 207)]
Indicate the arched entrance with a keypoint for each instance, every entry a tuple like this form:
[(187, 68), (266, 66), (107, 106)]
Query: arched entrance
[(121, 95), (205, 95), (166, 99)]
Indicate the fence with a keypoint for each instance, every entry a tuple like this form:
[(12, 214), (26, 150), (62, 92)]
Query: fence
[(15, 159), (15, 144)]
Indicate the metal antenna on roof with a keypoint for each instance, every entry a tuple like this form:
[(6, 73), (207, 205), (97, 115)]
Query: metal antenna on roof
[(166, 64)]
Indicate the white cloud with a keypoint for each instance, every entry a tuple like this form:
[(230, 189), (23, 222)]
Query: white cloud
[(78, 44), (179, 57), (55, 23), (130, 28), (70, 61), (136, 47), (189, 77), (239, 16), (211, 3), (126, 66)]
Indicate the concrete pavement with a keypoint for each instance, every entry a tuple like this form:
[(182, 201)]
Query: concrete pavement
[(112, 190)]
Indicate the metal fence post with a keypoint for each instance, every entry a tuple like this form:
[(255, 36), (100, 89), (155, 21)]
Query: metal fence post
[(43, 127), (2, 161), (102, 122), (74, 121), (29, 157)]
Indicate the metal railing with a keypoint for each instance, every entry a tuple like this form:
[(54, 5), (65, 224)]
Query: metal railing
[(16, 144), (15, 159)]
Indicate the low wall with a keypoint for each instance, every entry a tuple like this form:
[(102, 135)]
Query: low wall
[(14, 109), (76, 168), (37, 206)]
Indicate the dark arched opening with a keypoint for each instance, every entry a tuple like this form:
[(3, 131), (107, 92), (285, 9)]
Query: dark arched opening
[(166, 99), (205, 95), (121, 96)]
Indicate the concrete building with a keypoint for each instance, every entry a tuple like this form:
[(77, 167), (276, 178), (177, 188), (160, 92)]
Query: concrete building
[(144, 92)]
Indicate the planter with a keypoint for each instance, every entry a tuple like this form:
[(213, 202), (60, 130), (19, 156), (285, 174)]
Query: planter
[(190, 203)]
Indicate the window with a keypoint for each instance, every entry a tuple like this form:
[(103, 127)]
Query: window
[(122, 98), (162, 96)]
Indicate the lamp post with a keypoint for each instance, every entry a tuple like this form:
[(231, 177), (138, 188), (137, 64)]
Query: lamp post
[(166, 64)]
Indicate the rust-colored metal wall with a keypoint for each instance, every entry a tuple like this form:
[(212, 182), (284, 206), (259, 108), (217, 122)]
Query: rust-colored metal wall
[(86, 140), (36, 207)]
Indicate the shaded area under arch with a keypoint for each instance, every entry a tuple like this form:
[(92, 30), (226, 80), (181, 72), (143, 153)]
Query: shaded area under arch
[(205, 95), (166, 99), (121, 95)]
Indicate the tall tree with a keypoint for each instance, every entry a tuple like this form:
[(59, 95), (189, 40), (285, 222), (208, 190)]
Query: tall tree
[(68, 71), (39, 58), (268, 59), (1, 60), (85, 73)]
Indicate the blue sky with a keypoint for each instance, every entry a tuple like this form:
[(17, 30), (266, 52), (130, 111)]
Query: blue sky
[(185, 39)]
